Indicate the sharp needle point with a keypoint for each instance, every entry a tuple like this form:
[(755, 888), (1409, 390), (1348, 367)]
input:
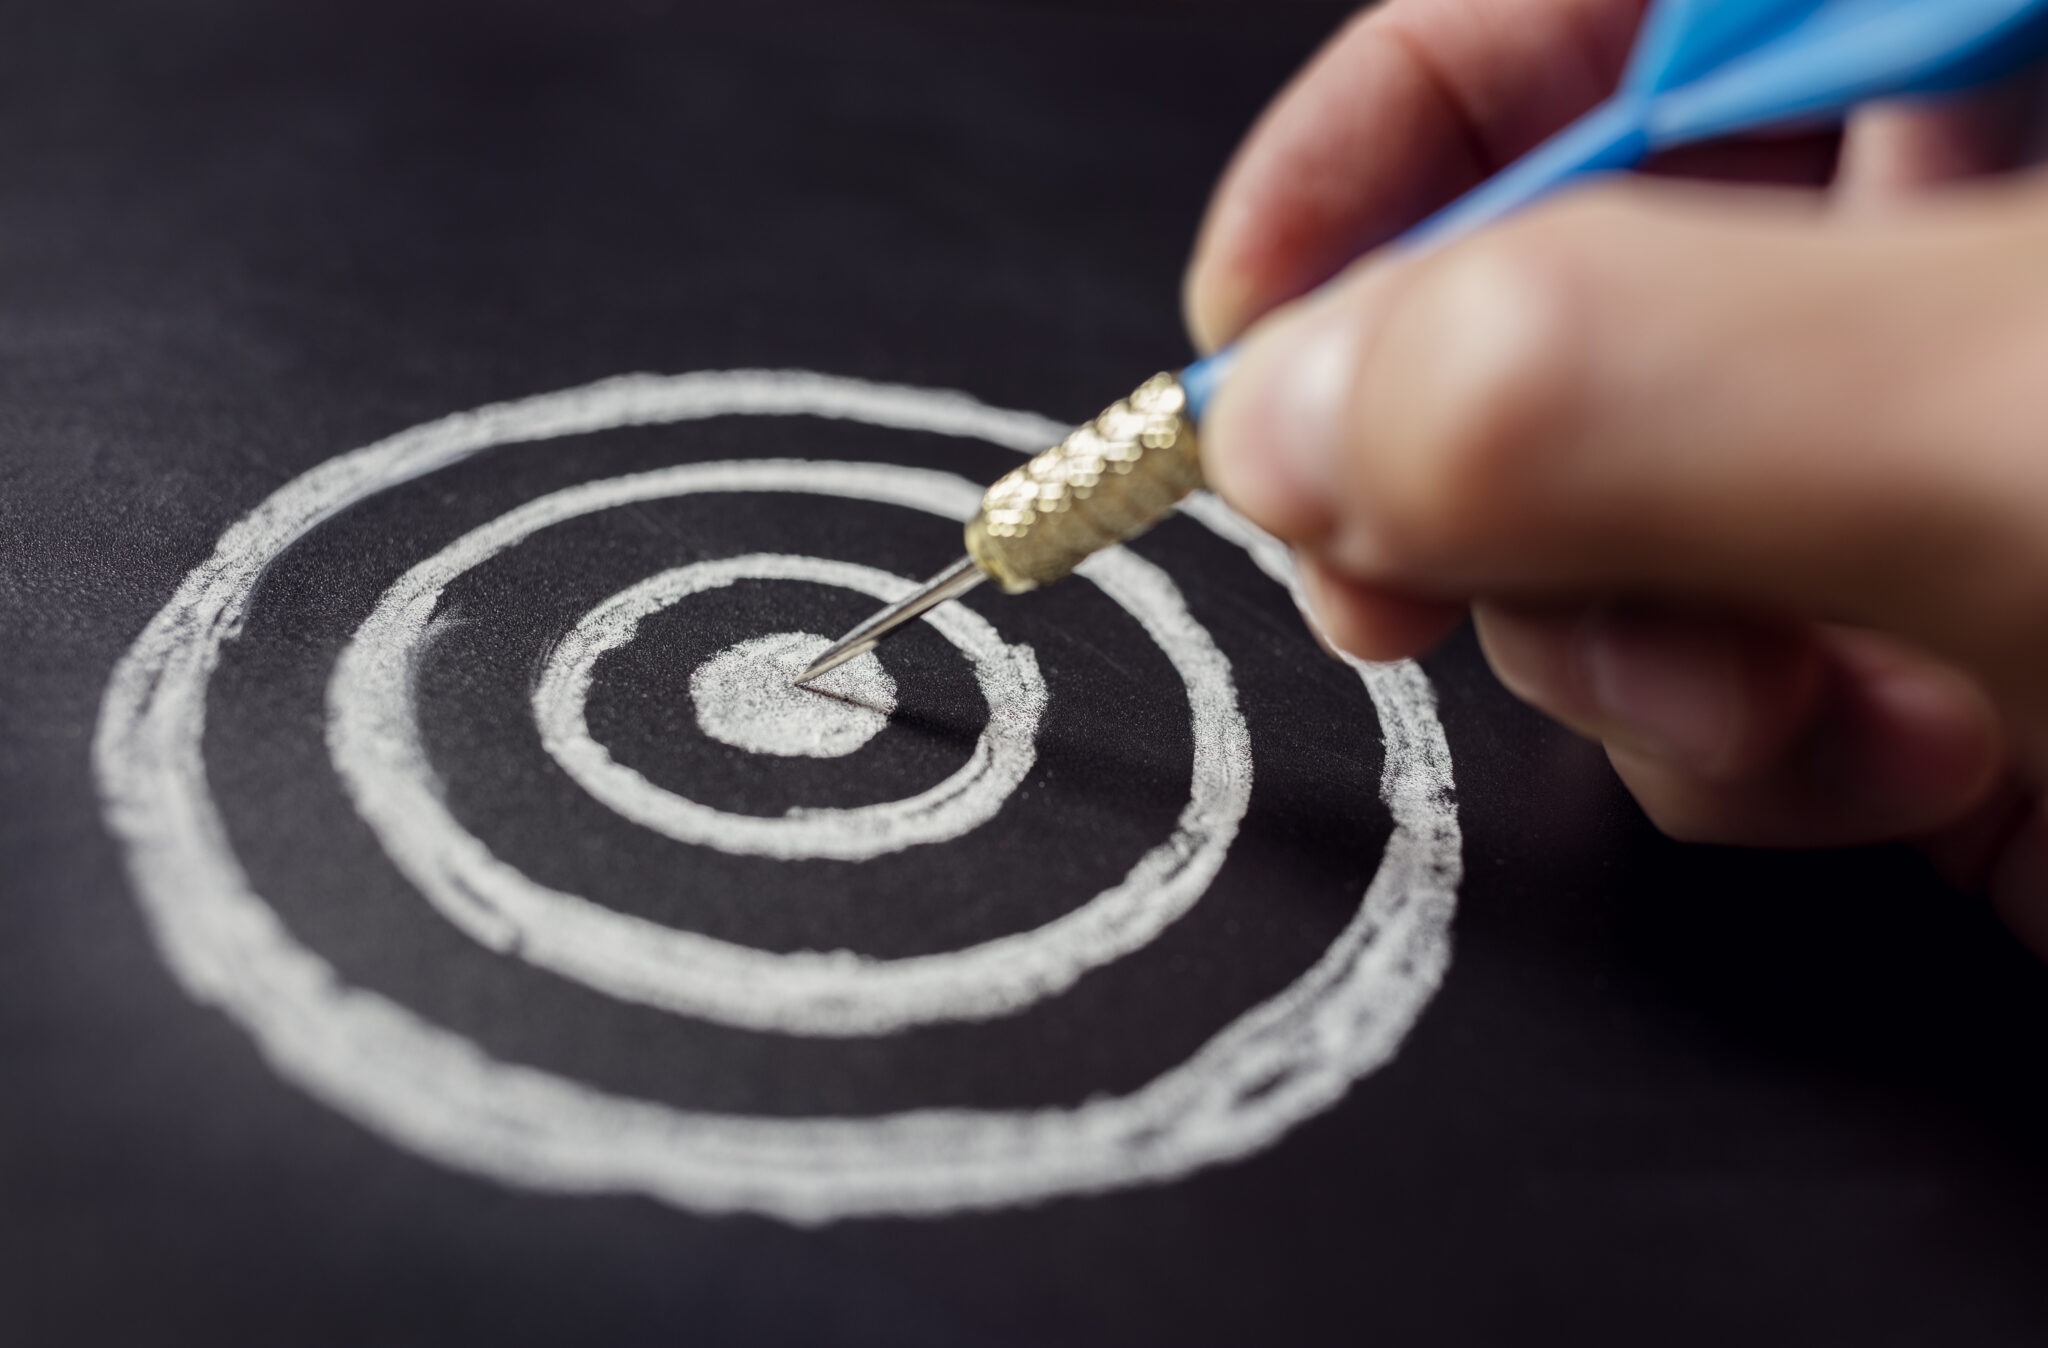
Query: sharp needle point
[(951, 583)]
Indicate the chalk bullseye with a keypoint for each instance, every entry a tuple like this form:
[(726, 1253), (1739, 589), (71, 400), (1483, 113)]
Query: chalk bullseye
[(745, 698)]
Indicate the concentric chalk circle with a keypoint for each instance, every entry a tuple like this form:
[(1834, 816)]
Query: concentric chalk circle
[(373, 736), (437, 1093), (372, 699)]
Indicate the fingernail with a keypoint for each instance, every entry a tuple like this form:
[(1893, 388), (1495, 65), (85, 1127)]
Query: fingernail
[(1671, 702), (1308, 597), (1532, 657), (1276, 438)]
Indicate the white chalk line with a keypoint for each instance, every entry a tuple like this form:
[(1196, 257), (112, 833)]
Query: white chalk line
[(746, 696), (436, 1093), (373, 736), (969, 797)]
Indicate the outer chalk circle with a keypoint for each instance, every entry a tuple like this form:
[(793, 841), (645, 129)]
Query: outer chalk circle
[(436, 1093), (373, 736)]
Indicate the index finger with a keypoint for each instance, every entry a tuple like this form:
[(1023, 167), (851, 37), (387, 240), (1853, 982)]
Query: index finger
[(1409, 105)]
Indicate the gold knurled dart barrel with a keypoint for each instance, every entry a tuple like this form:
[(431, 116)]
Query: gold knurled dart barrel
[(1110, 480)]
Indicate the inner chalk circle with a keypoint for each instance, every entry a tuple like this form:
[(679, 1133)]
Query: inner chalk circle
[(1002, 756), (436, 1093), (746, 696)]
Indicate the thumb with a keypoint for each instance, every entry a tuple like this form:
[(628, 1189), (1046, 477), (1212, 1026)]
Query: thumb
[(1711, 395)]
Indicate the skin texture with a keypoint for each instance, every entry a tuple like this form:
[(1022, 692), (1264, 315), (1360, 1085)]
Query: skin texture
[(1739, 465)]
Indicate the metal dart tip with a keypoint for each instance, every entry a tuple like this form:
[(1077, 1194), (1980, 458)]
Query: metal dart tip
[(951, 583)]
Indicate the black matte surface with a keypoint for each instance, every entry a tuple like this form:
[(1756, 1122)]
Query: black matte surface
[(1666, 1095)]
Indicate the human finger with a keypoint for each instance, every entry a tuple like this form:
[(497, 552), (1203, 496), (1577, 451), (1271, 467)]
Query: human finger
[(1370, 622), (1411, 103), (2019, 881), (1717, 696), (1684, 392), (1895, 150), (1894, 746)]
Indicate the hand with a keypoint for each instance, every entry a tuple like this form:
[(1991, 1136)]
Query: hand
[(1749, 483)]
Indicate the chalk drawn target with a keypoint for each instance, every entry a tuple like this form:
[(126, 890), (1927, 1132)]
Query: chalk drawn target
[(435, 1092), (376, 746)]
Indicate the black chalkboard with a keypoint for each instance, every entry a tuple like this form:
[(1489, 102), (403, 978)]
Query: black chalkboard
[(328, 1093)]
